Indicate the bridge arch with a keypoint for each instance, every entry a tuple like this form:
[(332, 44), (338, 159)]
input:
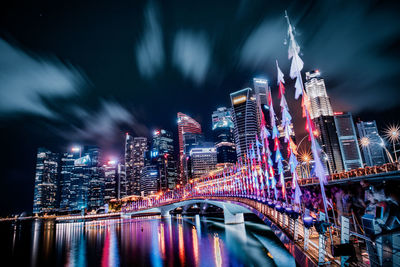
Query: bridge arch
[(233, 213)]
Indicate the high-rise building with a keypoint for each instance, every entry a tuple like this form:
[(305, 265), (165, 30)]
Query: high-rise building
[(69, 179), (322, 115), (129, 162), (316, 91), (348, 141), (190, 135), (261, 92), (245, 119), (162, 154), (135, 149), (96, 180), (82, 179), (46, 180), (372, 150), (122, 186), (203, 160), (110, 180), (149, 180), (223, 135), (328, 139)]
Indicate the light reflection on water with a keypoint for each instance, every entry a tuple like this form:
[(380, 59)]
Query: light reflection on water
[(147, 241)]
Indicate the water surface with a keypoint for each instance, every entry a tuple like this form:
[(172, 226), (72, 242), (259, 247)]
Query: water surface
[(146, 241)]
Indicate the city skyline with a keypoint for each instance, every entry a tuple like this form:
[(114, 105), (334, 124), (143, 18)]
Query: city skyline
[(72, 120)]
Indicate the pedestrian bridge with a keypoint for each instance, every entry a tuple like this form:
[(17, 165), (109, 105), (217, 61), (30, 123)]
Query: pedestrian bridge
[(233, 212)]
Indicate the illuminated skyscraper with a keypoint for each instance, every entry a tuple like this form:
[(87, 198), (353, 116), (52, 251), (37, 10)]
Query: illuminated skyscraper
[(70, 180), (110, 181), (316, 91), (96, 181), (245, 119), (261, 92), (150, 180), (140, 147), (223, 133), (129, 162), (189, 133), (372, 150), (46, 179), (203, 160), (322, 115), (348, 141), (162, 154)]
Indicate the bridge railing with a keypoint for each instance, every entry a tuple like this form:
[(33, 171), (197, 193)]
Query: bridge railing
[(361, 172)]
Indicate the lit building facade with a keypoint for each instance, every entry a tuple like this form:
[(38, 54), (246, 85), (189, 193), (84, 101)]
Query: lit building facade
[(128, 155), (190, 135), (244, 113), (69, 179), (162, 154), (372, 152), (46, 180), (316, 91), (203, 160), (139, 148), (96, 180), (111, 182), (328, 139), (149, 180), (348, 141), (261, 93), (223, 135), (322, 115), (82, 179)]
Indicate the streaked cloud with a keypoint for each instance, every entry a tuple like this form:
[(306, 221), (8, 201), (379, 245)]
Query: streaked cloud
[(192, 55), (27, 81), (102, 124), (150, 50), (263, 44)]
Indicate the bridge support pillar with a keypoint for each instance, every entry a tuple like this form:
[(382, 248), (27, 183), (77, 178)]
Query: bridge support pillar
[(230, 218), (165, 213)]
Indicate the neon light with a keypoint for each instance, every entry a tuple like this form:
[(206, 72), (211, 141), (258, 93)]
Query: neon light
[(239, 99)]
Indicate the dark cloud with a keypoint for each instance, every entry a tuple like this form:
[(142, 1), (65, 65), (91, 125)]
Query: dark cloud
[(150, 50), (192, 55), (101, 125), (26, 81)]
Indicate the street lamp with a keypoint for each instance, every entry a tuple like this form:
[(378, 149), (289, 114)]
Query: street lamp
[(393, 134), (306, 157)]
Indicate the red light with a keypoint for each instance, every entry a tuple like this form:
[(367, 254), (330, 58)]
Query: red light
[(338, 113)]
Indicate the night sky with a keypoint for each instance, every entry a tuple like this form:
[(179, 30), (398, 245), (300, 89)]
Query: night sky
[(85, 72)]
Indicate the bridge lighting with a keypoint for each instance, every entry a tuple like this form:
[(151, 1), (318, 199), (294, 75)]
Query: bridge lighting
[(365, 141), (393, 134)]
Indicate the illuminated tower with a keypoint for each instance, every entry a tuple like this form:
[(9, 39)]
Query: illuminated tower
[(348, 141), (245, 119), (372, 149), (46, 180), (261, 92), (223, 133), (189, 133), (316, 91), (162, 154), (322, 115)]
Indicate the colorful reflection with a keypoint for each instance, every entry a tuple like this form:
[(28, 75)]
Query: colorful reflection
[(145, 241), (217, 251)]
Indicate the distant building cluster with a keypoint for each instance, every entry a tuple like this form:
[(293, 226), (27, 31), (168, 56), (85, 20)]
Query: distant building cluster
[(84, 178)]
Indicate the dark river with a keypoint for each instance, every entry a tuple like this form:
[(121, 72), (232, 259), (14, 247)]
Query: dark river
[(147, 241)]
